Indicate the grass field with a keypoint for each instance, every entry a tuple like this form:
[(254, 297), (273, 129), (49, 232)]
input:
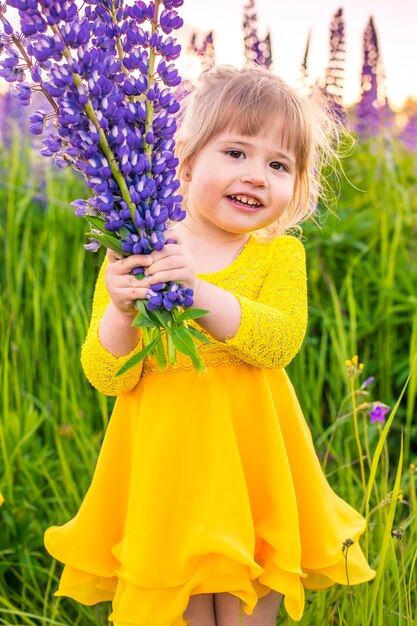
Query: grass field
[(363, 301)]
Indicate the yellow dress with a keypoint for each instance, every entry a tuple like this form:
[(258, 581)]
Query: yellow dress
[(210, 483)]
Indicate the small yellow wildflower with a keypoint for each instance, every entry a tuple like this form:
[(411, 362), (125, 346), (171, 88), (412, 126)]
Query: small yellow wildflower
[(354, 369), (2, 500)]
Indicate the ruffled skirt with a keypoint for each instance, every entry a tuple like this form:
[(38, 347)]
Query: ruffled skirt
[(206, 484)]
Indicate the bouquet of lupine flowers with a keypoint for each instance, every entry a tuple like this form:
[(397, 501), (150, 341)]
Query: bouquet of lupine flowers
[(105, 68)]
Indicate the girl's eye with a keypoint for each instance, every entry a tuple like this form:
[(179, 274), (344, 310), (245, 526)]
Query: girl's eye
[(235, 154), (280, 167)]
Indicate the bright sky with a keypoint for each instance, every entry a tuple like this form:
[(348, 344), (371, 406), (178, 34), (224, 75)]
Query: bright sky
[(290, 22)]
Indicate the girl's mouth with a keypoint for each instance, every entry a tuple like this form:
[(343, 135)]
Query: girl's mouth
[(244, 201)]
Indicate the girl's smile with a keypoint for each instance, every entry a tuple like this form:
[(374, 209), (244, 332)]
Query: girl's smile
[(239, 184), (244, 202)]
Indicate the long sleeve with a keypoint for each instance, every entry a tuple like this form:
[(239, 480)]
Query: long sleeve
[(273, 325), (99, 365)]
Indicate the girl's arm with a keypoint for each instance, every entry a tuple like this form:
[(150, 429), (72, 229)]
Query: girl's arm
[(273, 326), (223, 319), (266, 332), (111, 340)]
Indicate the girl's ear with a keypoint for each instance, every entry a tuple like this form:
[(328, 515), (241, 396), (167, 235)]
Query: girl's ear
[(186, 171)]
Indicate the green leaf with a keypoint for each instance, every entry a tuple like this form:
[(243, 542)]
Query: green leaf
[(95, 222), (108, 241), (141, 307), (140, 321), (157, 319), (142, 318), (381, 443), (191, 314), (199, 365), (137, 358), (379, 578), (183, 341), (160, 353), (105, 238), (124, 232), (163, 316), (196, 333)]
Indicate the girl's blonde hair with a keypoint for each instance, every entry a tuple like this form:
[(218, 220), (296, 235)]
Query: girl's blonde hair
[(251, 100)]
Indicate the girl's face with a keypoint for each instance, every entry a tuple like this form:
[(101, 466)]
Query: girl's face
[(238, 183)]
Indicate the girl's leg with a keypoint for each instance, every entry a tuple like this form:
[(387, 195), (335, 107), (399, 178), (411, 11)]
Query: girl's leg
[(200, 610), (229, 610)]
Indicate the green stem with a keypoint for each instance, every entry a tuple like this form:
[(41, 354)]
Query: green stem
[(159, 350), (358, 440), (406, 594), (366, 437), (28, 60), (147, 336), (350, 591), (171, 351)]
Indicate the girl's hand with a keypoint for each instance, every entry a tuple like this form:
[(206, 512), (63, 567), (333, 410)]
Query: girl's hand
[(174, 263), (124, 288)]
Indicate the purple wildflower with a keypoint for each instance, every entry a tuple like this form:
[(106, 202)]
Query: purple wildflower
[(72, 56), (266, 49), (106, 70), (93, 246), (387, 117), (408, 134), (304, 66), (368, 122), (378, 412), (368, 382), (205, 51), (335, 70), (256, 50)]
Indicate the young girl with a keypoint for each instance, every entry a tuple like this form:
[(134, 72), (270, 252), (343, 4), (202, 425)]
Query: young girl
[(208, 496)]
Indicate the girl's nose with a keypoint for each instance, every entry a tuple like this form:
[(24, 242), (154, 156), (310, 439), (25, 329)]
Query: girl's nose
[(255, 176)]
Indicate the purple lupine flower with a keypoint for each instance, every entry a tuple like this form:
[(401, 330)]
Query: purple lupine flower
[(205, 51), (368, 382), (106, 71), (266, 49), (256, 50), (378, 412), (408, 134), (368, 118), (387, 117), (304, 65), (208, 56), (93, 246), (15, 118), (333, 85)]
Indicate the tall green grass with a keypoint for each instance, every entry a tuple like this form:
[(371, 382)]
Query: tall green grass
[(52, 421), (363, 300)]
